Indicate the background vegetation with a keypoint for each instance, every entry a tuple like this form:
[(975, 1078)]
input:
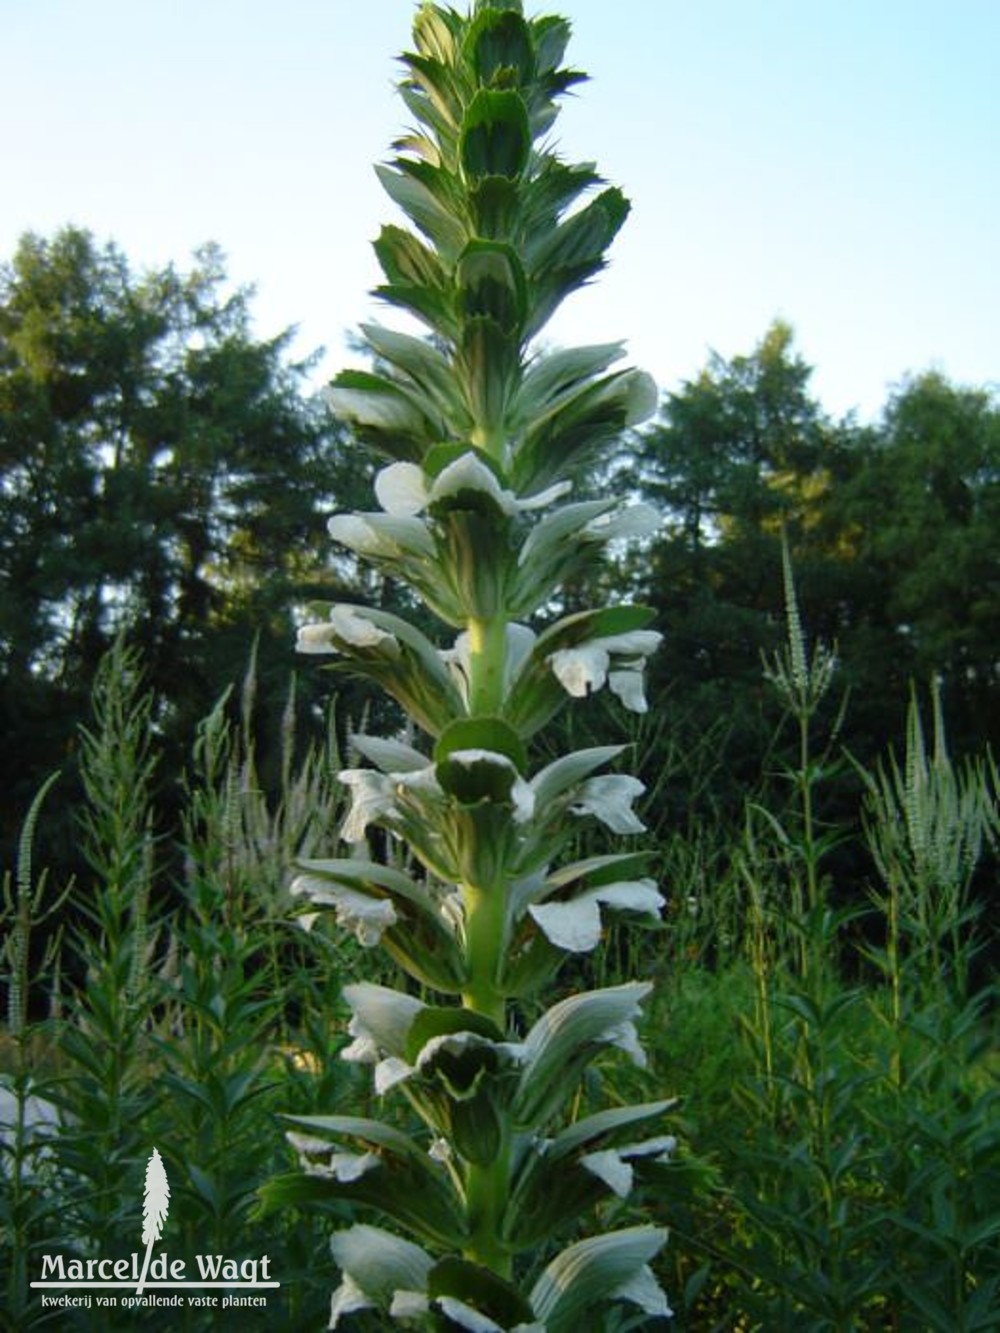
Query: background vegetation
[(825, 975)]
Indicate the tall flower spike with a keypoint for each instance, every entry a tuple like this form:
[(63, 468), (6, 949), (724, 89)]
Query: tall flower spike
[(483, 436)]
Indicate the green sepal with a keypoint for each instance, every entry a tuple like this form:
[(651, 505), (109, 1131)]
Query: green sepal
[(407, 261), (568, 438), (491, 282), (555, 378), (489, 360), (436, 32), (482, 733), (480, 1288), (531, 962), (586, 1275), (474, 554), (565, 1039), (500, 49), (439, 1020), (440, 455), (382, 414), (495, 138), (410, 670), (436, 80), (494, 203)]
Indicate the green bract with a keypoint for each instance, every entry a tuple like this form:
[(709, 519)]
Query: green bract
[(485, 436)]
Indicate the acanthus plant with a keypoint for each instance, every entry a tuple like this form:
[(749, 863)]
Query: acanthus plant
[(483, 435)]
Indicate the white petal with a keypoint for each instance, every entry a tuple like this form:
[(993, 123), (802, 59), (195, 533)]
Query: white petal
[(543, 498), (366, 916), (371, 798), (642, 1289), (381, 534), (636, 520), (346, 1300), (608, 1166), (643, 398), (634, 643), (574, 926), (408, 1305), (465, 1316), (469, 473), (581, 670), (609, 798), (315, 639), (389, 1072), (628, 686), (356, 629), (381, 1014), (401, 489)]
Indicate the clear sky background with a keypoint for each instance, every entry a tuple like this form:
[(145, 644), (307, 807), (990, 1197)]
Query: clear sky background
[(832, 162)]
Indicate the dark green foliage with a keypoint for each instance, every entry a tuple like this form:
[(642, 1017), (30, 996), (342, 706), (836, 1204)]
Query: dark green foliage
[(161, 470)]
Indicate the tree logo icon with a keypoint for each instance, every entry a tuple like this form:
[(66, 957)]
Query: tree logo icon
[(155, 1202)]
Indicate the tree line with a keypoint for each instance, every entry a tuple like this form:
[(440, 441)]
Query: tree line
[(167, 473)]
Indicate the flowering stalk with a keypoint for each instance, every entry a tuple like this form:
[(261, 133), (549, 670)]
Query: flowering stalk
[(483, 437)]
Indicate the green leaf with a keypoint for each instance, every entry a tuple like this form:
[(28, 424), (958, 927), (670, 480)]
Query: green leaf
[(495, 138)]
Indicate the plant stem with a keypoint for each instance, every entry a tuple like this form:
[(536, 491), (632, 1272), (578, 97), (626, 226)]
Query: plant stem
[(485, 937), (487, 658)]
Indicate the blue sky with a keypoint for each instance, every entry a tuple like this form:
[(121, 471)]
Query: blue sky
[(831, 162)]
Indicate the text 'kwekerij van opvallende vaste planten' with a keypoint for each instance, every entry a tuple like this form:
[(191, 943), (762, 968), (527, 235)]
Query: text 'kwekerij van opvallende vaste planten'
[(485, 439)]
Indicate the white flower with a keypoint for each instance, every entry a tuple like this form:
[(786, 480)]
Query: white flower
[(627, 685), (609, 798), (636, 520), (344, 624), (521, 794), (381, 535), (404, 490), (576, 925), (587, 667), (373, 795), (368, 917), (371, 798)]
